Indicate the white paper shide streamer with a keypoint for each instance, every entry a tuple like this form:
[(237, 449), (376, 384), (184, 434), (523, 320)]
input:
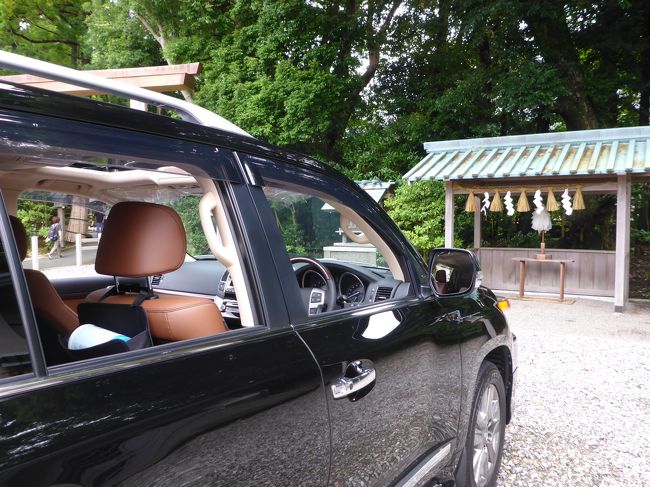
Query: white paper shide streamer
[(507, 201), (566, 202), (537, 201), (542, 221), (486, 203)]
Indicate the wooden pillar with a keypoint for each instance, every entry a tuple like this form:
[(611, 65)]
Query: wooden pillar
[(477, 223), (622, 269), (449, 214)]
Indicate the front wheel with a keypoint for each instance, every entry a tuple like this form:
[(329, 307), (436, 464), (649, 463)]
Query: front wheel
[(484, 444)]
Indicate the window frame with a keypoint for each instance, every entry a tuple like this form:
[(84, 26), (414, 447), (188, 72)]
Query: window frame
[(23, 300), (217, 163), (261, 170)]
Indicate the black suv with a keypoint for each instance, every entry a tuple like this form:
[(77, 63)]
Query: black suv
[(245, 316)]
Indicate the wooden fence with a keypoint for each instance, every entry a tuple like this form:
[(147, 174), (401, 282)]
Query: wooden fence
[(592, 273)]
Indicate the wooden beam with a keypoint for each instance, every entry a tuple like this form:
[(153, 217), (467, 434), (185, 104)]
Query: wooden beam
[(477, 223), (162, 79), (449, 214), (588, 185), (622, 268)]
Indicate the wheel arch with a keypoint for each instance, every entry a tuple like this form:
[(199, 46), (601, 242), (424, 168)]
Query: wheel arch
[(501, 357)]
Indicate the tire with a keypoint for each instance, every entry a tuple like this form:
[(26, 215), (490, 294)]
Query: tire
[(486, 431)]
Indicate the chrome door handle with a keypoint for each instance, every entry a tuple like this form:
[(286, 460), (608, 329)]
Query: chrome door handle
[(344, 386)]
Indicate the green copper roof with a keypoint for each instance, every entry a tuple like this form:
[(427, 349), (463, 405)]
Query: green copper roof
[(585, 152)]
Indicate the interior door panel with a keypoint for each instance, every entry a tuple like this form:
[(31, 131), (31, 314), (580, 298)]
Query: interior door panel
[(78, 288)]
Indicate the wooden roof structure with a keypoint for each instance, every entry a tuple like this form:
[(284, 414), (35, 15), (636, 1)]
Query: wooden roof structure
[(161, 79), (597, 161)]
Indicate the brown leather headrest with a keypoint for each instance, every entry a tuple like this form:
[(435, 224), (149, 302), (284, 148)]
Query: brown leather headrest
[(20, 235), (141, 239), (441, 275)]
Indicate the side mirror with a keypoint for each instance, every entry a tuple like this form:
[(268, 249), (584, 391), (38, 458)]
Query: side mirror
[(454, 271)]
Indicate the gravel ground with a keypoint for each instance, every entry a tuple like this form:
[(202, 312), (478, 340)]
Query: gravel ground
[(583, 396)]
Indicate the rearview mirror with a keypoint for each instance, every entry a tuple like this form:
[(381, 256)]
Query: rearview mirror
[(453, 271)]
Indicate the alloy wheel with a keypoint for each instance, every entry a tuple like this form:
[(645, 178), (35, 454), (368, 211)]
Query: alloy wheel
[(487, 436)]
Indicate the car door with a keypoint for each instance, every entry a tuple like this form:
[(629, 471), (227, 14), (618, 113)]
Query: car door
[(245, 407), (390, 365)]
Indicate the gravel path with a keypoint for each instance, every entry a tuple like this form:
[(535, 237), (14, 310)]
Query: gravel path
[(582, 414)]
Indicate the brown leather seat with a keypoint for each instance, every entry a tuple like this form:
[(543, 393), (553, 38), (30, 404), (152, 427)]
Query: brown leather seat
[(441, 281), (146, 239), (47, 303)]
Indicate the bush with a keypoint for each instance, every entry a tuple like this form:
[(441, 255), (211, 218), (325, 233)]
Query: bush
[(36, 217), (639, 235), (419, 210)]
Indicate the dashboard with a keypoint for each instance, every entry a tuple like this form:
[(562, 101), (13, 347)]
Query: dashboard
[(355, 284)]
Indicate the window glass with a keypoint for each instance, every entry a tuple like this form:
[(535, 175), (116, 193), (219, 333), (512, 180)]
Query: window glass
[(14, 353), (313, 227), (339, 259), (187, 207), (55, 219), (52, 221), (64, 209), (64, 193)]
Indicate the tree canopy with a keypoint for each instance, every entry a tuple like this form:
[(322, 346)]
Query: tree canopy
[(362, 83)]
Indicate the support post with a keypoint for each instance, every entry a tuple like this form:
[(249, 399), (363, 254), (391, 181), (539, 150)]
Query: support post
[(35, 252), (477, 223), (78, 249), (622, 269), (562, 275), (449, 214)]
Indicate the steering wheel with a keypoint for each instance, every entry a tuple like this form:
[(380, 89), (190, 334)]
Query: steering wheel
[(316, 299)]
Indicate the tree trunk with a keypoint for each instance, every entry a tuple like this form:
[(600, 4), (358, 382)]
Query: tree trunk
[(644, 102), (553, 38), (158, 34), (78, 220), (642, 11), (374, 41)]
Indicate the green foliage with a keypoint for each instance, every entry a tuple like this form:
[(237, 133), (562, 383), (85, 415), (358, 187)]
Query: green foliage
[(127, 33), (305, 227), (642, 236), (385, 151), (45, 29), (289, 106), (118, 38), (419, 210), (295, 73), (36, 217), (188, 209), (294, 239)]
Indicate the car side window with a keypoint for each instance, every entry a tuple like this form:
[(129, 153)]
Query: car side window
[(127, 232), (56, 224), (62, 222), (340, 260), (313, 227), (14, 352)]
